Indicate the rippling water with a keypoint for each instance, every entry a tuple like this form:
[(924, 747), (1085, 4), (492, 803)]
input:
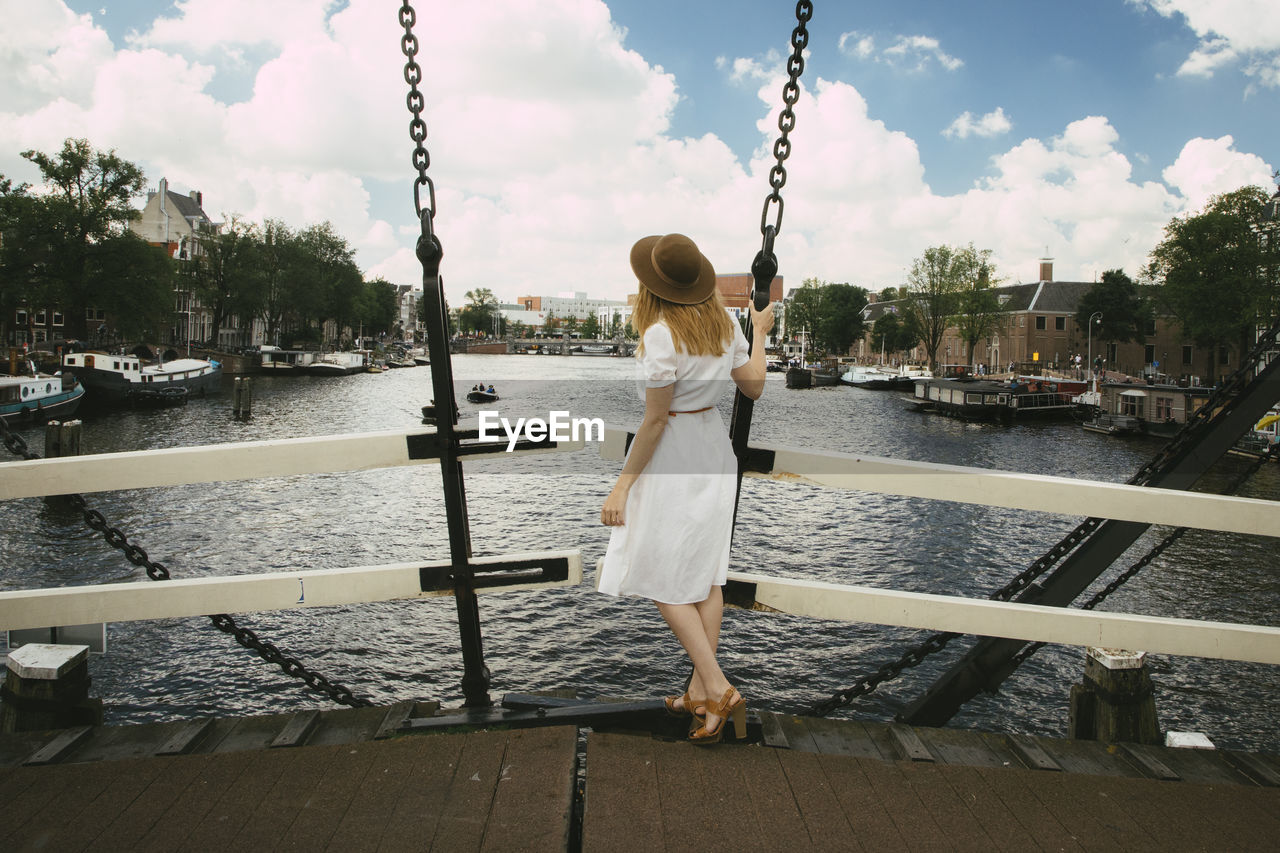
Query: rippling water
[(577, 638)]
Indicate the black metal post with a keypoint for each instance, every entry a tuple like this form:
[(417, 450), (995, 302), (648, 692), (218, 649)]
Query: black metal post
[(763, 270), (475, 675)]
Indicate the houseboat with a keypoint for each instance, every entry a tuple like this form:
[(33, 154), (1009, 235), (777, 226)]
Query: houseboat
[(115, 379), (982, 399), (338, 364), (39, 397), (276, 361), (1127, 408)]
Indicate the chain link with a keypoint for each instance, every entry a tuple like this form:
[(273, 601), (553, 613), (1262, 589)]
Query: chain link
[(137, 555), (421, 159), (786, 123)]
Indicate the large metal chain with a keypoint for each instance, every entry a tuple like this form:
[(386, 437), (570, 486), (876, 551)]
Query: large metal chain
[(786, 123), (137, 555), (417, 127)]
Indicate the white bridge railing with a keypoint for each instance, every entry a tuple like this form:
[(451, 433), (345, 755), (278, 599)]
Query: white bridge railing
[(311, 588)]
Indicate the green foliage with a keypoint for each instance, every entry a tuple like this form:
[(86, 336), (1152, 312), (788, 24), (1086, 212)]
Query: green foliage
[(376, 309), (590, 327), (978, 312), (479, 312), (223, 274), (1126, 310), (936, 288), (1216, 274), (893, 333), (87, 203), (839, 322)]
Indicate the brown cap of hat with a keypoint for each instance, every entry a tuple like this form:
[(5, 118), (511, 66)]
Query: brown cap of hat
[(672, 268)]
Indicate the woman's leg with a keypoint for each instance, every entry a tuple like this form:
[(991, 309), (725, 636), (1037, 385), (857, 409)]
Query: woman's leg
[(686, 623), (710, 612)]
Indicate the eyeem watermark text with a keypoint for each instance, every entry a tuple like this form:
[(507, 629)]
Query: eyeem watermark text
[(557, 427)]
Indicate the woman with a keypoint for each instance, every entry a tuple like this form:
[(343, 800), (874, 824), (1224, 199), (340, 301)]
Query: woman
[(672, 507)]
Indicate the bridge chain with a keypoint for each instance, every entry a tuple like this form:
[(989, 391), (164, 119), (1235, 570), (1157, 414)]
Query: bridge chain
[(137, 555), (786, 123)]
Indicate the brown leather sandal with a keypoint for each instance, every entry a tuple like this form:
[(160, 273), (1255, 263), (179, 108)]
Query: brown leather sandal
[(727, 708)]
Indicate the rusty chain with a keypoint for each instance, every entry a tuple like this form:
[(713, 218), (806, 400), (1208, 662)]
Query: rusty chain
[(137, 555)]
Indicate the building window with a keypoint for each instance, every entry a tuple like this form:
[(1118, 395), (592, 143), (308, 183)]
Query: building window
[(1149, 353), (1040, 327), (1131, 405), (20, 318), (1111, 353), (1060, 324), (40, 336), (1224, 356), (1150, 327), (57, 318), (40, 317), (1164, 409), (1186, 355)]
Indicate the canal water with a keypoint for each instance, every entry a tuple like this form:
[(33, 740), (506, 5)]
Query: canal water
[(598, 645)]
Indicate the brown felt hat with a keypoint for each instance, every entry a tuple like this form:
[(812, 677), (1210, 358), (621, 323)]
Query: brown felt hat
[(672, 268)]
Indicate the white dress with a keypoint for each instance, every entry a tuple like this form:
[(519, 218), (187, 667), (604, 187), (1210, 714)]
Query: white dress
[(674, 544)]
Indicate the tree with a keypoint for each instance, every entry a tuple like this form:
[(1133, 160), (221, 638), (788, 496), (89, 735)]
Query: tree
[(477, 315), (978, 311), (23, 252), (804, 309), (141, 276), (591, 327), (839, 322), (223, 273), (376, 309), (327, 283), (1126, 311), (1214, 271), (88, 202), (933, 293)]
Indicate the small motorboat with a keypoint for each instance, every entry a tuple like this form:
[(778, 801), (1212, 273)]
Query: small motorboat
[(477, 395)]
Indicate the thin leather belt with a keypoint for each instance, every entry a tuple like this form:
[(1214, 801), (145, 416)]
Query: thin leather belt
[(693, 412)]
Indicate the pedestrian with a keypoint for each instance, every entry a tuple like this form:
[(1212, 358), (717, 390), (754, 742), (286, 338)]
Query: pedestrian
[(671, 509)]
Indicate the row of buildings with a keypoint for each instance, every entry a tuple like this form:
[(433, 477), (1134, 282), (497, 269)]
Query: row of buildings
[(1038, 328)]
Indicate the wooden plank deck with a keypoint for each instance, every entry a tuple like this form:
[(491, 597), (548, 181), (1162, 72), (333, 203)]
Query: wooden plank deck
[(820, 785), (499, 791), (644, 794)]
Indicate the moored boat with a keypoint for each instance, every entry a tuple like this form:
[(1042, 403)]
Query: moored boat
[(598, 349), (978, 399), (337, 364), (277, 361), (867, 376), (116, 379), (39, 397)]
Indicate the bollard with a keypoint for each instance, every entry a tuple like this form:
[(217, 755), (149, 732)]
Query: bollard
[(1114, 702), (61, 439), (47, 687), (242, 398)]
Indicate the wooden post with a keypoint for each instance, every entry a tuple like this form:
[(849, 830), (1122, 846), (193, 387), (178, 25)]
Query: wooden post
[(242, 398), (47, 687), (1114, 703), (61, 439)]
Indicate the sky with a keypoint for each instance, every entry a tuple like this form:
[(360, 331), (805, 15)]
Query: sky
[(560, 131)]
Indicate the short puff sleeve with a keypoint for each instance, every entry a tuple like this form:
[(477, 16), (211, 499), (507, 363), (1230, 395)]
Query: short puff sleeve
[(741, 351), (658, 357)]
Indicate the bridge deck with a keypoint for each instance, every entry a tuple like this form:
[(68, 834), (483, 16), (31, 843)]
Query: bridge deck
[(841, 785)]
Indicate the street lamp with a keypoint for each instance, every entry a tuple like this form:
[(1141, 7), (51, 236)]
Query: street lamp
[(1092, 321)]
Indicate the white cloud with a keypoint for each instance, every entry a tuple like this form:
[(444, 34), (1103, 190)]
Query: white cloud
[(1230, 32), (913, 53), (992, 124), (1208, 167), (552, 151)]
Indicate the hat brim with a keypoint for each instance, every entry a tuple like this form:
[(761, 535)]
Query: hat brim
[(642, 265)]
